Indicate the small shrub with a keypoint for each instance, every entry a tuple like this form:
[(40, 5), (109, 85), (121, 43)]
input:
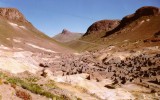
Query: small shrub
[(23, 95), (32, 79)]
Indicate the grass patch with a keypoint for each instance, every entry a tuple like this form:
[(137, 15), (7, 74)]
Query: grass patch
[(34, 88), (32, 79), (2, 76)]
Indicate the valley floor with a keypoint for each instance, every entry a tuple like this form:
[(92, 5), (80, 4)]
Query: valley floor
[(107, 74)]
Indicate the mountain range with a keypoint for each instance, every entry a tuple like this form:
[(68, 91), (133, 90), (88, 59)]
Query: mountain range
[(137, 27)]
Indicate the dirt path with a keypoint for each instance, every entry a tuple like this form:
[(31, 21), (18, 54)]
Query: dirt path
[(76, 92)]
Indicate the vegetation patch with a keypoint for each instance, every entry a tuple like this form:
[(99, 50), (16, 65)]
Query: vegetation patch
[(34, 88), (2, 75), (32, 79), (51, 84)]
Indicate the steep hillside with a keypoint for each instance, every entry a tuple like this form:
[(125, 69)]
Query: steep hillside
[(136, 28), (132, 31), (18, 33), (67, 36)]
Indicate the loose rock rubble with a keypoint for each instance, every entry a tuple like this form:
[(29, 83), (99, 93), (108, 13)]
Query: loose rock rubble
[(140, 66)]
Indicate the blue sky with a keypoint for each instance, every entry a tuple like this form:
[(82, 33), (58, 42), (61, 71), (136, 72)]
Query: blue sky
[(52, 16)]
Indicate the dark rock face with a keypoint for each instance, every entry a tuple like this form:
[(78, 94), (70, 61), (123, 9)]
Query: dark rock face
[(12, 14), (65, 31), (100, 26), (144, 11)]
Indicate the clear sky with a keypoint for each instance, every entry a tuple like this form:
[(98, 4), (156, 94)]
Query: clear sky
[(52, 16)]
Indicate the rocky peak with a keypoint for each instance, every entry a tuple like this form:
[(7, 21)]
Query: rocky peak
[(12, 14), (100, 26), (65, 31)]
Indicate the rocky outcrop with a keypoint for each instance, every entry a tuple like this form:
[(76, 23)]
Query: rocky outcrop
[(144, 11), (140, 66), (100, 26), (12, 14)]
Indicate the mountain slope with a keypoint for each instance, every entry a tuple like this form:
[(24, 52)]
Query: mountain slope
[(17, 32), (67, 36), (133, 29), (137, 27)]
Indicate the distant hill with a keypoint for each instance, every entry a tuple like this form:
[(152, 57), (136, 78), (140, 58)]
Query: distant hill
[(132, 30), (18, 33), (67, 36)]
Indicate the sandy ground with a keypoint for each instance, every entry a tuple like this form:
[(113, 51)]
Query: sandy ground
[(8, 93), (76, 92), (96, 88), (17, 62)]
